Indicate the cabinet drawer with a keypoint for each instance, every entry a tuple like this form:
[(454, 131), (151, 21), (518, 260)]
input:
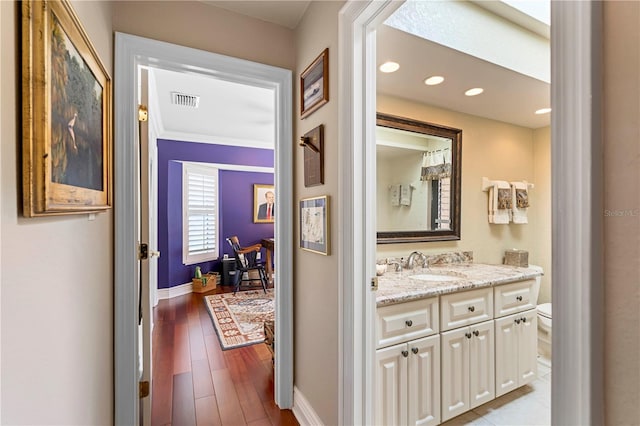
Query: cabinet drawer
[(465, 308), (516, 297), (406, 321)]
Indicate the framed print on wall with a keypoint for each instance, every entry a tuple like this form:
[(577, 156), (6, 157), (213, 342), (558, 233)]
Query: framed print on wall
[(66, 126), (264, 203), (314, 85), (314, 224)]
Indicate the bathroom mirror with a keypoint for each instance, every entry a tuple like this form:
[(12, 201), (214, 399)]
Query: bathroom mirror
[(418, 167)]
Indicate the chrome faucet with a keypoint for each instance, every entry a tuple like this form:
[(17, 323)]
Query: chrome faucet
[(411, 261), (397, 263)]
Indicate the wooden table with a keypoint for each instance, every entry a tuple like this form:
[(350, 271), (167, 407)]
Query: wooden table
[(268, 244)]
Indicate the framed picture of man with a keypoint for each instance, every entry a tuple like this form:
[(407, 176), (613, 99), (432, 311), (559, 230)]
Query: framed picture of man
[(264, 203)]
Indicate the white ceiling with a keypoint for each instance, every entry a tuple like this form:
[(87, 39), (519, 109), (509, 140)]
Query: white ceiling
[(231, 113)]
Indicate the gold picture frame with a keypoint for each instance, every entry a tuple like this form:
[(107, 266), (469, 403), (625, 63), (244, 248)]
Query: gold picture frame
[(262, 196), (66, 113), (314, 224), (314, 85)]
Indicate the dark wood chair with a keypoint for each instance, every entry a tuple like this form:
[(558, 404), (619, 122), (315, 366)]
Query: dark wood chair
[(246, 263)]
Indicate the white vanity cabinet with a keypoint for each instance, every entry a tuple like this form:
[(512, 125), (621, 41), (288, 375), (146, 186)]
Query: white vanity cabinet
[(516, 334), (443, 355), (516, 350), (467, 368), (408, 374)]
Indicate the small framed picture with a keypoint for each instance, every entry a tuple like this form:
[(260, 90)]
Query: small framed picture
[(264, 203), (314, 224), (314, 85)]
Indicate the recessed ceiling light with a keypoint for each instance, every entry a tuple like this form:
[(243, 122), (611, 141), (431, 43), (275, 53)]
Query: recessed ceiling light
[(432, 81), (389, 67), (543, 111), (475, 91)]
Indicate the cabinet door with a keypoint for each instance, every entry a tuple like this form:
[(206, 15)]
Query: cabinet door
[(527, 347), (506, 354), (391, 385), (424, 381), (481, 364), (455, 372)]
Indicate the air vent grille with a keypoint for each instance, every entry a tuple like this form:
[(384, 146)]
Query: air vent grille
[(182, 99)]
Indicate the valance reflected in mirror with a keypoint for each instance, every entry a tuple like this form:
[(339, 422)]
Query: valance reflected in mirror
[(418, 180)]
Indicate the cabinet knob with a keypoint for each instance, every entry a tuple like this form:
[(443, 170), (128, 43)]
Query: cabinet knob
[(468, 335), (405, 353), (517, 320), (524, 319), (414, 350), (476, 333), (409, 323), (519, 298), (471, 308)]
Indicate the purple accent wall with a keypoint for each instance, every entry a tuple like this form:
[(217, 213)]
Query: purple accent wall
[(235, 198)]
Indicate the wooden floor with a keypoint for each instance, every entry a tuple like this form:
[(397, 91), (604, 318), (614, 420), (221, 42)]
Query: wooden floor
[(195, 382)]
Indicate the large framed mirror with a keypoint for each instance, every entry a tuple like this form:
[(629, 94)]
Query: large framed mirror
[(418, 168)]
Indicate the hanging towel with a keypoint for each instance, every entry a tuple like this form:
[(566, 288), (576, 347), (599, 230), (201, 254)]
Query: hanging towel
[(405, 194), (394, 194), (500, 202), (520, 202)]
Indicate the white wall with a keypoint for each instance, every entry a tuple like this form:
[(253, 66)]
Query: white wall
[(316, 276), (57, 276)]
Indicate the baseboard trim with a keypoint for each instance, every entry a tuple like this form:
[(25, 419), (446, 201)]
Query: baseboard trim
[(171, 292), (303, 411)]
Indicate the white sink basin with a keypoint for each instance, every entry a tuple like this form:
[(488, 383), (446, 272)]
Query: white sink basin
[(434, 277)]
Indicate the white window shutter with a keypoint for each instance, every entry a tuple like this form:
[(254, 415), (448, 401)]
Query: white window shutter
[(200, 213)]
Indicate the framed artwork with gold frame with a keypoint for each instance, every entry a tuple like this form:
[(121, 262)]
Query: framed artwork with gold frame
[(314, 85), (66, 114), (264, 198), (314, 224)]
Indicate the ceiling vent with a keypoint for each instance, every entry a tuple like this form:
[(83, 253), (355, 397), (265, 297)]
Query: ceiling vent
[(182, 99)]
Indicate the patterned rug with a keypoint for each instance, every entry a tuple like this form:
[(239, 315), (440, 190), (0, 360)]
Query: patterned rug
[(238, 319)]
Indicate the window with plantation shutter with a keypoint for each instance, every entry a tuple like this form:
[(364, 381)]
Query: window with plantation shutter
[(200, 213)]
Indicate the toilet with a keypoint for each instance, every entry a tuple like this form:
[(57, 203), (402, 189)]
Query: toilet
[(544, 330)]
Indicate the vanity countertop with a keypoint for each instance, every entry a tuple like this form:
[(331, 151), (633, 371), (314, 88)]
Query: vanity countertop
[(398, 287)]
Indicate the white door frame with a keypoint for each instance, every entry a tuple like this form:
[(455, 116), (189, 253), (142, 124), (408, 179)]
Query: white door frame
[(130, 53), (577, 385)]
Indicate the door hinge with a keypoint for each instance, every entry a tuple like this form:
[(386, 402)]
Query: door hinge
[(143, 251), (143, 389), (143, 114), (374, 284)]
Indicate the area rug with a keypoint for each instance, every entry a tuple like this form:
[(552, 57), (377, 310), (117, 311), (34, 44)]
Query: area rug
[(238, 319)]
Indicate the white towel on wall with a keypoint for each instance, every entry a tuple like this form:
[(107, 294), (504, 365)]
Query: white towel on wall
[(405, 194), (394, 194), (498, 215), (519, 214)]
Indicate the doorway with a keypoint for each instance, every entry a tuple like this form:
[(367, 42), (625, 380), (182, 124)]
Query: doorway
[(132, 53), (576, 104)]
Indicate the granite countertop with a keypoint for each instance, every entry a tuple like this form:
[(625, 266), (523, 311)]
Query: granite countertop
[(398, 287)]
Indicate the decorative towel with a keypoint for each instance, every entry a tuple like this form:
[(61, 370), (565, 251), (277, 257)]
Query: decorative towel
[(500, 202), (405, 194), (520, 201), (394, 194)]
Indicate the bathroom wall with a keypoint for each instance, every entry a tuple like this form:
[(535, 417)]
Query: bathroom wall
[(235, 200), (493, 149), (541, 210)]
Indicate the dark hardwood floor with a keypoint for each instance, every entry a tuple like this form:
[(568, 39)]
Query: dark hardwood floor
[(195, 382)]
